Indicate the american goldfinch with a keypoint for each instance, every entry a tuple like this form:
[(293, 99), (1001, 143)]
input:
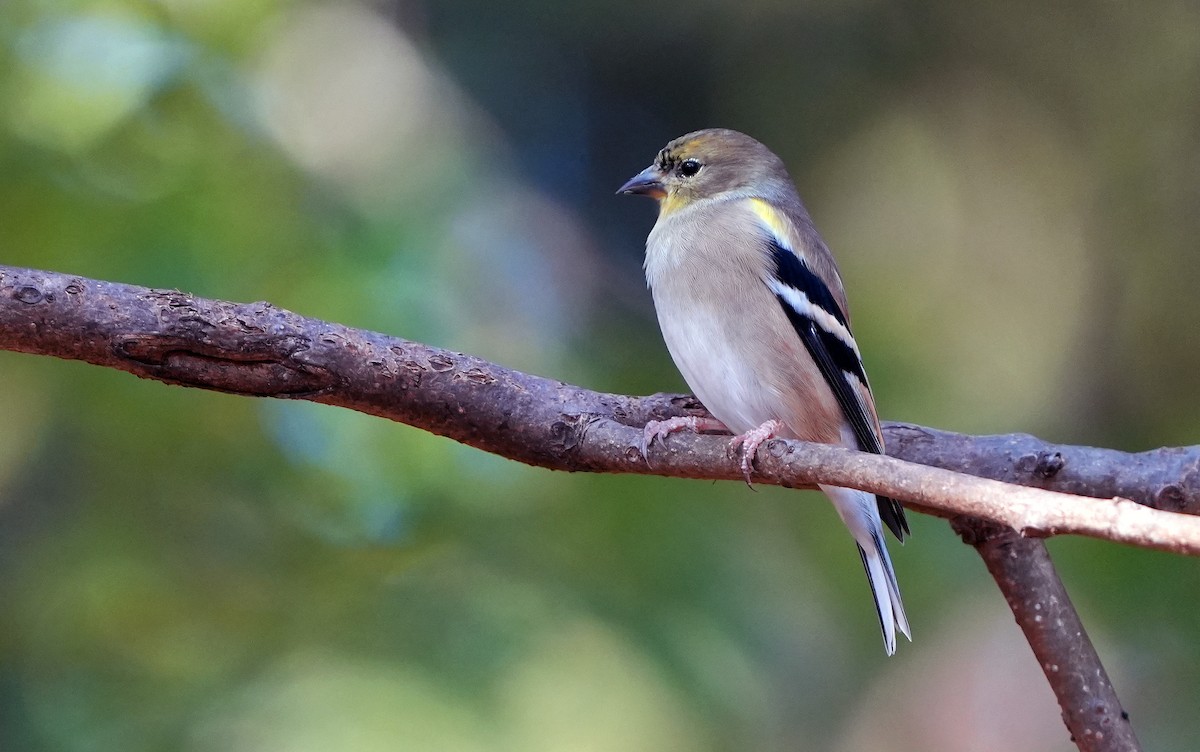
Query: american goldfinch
[(754, 315)]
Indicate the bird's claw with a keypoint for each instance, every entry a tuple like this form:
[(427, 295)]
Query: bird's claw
[(660, 429), (749, 443)]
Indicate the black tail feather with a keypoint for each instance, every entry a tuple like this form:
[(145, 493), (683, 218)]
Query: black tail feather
[(892, 515)]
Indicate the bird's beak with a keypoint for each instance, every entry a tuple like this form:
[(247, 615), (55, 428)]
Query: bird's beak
[(648, 182)]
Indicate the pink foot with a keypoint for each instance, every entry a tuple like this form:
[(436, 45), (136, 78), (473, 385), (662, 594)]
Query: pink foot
[(660, 429), (750, 441)]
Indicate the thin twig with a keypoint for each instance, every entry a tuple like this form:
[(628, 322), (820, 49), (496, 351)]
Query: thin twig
[(1167, 479)]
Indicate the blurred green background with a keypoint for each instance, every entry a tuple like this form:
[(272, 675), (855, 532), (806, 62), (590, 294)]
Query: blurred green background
[(1011, 189)]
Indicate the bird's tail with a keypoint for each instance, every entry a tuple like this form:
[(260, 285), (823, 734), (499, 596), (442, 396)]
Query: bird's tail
[(860, 512)]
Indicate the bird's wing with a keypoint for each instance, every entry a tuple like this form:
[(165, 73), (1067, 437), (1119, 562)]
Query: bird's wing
[(818, 317)]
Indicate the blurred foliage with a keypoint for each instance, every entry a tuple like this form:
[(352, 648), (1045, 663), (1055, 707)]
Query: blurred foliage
[(1010, 188)]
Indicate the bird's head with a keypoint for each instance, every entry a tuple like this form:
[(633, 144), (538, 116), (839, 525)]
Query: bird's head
[(707, 164)]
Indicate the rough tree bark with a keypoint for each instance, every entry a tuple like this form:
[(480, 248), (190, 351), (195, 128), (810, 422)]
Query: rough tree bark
[(1036, 489)]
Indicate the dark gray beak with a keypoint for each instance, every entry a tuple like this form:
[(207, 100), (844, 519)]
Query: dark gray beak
[(648, 182)]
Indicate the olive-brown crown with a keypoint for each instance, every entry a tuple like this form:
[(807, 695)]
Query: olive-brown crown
[(714, 161)]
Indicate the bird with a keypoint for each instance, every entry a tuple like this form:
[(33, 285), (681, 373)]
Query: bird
[(754, 314)]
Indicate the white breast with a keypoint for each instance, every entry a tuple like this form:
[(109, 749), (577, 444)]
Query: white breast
[(706, 339), (713, 365)]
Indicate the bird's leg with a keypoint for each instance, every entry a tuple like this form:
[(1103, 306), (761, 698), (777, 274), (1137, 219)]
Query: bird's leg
[(751, 440), (660, 429)]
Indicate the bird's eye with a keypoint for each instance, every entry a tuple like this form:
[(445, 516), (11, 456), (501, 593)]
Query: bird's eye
[(689, 167)]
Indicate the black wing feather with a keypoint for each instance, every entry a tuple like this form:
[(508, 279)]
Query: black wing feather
[(836, 361)]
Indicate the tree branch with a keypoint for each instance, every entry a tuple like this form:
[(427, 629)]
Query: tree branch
[(1043, 609), (1167, 479), (256, 349)]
